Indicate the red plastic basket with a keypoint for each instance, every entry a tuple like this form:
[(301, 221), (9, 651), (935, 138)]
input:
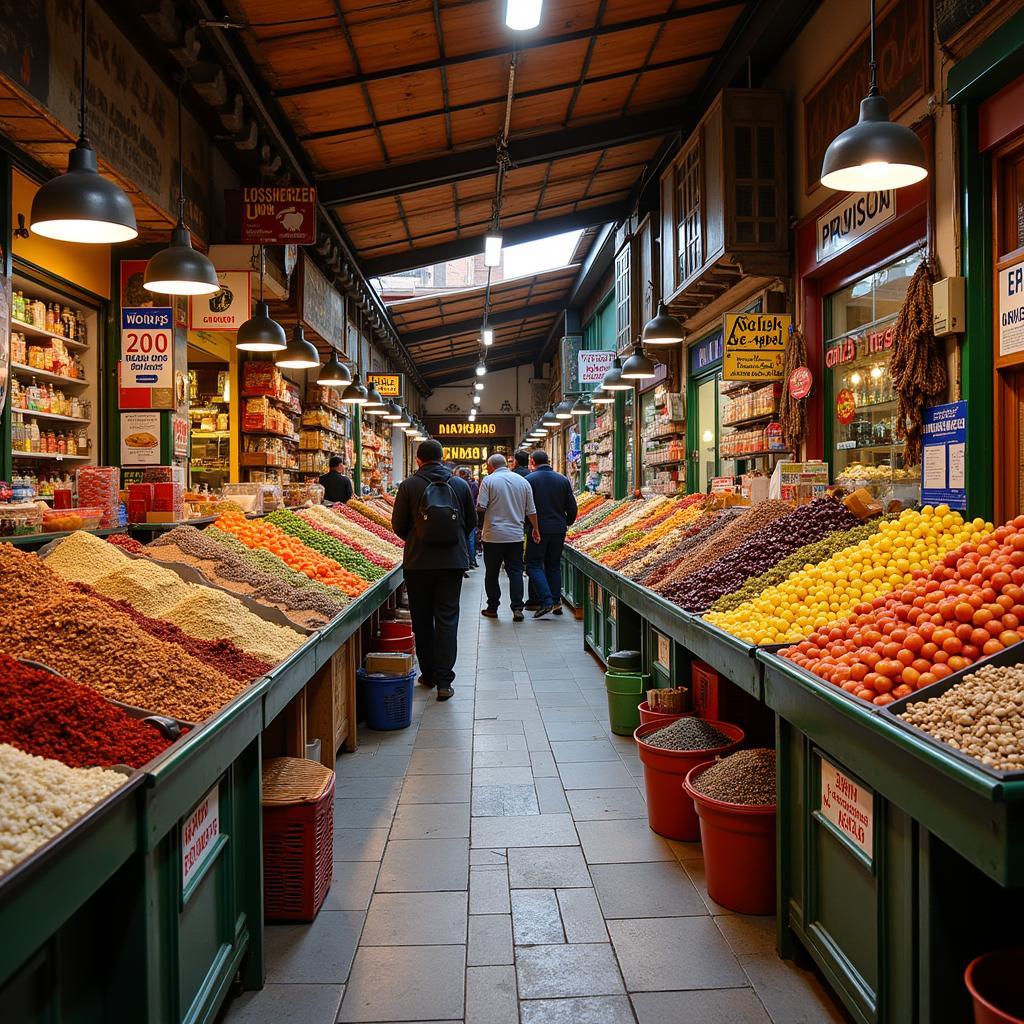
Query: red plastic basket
[(298, 837)]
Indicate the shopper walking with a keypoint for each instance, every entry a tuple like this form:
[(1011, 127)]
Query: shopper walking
[(522, 466), (556, 512), (434, 515), (505, 504), (464, 472), (337, 486)]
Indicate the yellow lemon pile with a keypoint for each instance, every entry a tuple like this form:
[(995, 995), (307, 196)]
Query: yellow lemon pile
[(819, 594)]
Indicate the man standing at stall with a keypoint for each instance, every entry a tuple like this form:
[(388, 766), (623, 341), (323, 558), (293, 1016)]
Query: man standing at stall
[(556, 512), (434, 515), (337, 486)]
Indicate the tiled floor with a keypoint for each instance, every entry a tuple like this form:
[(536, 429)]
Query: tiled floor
[(493, 865)]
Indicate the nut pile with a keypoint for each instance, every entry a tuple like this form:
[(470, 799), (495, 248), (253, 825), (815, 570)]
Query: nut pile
[(746, 777), (983, 716), (39, 798), (687, 734)]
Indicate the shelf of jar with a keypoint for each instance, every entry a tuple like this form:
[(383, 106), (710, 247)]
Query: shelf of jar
[(211, 433), (21, 325), (22, 370), (50, 456), (753, 455), (653, 464), (52, 416), (761, 417), (846, 446)]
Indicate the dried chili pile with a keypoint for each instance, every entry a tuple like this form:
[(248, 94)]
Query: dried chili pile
[(126, 543), (793, 411), (54, 717)]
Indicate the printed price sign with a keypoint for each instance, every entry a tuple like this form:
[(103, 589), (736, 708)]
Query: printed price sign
[(943, 455), (754, 346), (147, 350), (849, 806), (664, 651), (199, 834)]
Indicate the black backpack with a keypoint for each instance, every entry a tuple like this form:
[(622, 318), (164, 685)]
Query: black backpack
[(438, 515)]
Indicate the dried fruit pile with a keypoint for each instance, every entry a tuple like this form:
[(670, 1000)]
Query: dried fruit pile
[(370, 513)]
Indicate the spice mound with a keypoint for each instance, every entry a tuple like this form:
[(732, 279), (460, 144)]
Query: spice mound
[(85, 558), (39, 798), (983, 716), (746, 777), (687, 734), (51, 716)]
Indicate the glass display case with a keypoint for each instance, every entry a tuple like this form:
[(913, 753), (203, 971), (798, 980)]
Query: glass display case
[(662, 441)]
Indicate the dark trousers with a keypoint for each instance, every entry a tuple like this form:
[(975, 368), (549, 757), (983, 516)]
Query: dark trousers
[(532, 600), (434, 605), (511, 556), (544, 566)]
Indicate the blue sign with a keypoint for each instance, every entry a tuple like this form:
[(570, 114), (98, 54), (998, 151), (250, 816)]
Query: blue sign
[(943, 443), (706, 353)]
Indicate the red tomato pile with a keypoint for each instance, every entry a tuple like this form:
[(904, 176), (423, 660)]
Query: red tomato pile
[(969, 606)]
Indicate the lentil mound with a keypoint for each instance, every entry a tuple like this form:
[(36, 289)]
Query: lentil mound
[(687, 734), (746, 777), (85, 558)]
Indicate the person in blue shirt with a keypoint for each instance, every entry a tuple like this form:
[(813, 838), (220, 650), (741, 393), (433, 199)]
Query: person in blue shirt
[(556, 512)]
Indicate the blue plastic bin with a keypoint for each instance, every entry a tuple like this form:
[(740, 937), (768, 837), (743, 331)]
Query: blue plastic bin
[(387, 699)]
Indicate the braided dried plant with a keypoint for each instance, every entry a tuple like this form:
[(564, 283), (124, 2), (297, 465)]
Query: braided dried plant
[(793, 411), (918, 366)]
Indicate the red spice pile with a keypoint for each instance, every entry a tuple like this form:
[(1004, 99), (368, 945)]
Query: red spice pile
[(122, 540), (51, 716), (222, 655)]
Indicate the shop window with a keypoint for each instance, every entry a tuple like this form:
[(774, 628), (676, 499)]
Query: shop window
[(623, 325), (691, 250), (1011, 228), (754, 149)]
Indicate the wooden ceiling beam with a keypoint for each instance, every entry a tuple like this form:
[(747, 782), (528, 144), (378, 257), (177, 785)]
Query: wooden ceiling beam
[(496, 319), (460, 368)]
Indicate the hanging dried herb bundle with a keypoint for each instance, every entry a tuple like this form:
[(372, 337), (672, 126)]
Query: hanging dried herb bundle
[(917, 365), (793, 411)]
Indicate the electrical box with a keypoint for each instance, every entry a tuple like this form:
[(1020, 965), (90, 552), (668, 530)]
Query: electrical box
[(948, 306)]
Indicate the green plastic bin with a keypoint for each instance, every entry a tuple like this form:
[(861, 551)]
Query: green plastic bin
[(625, 692)]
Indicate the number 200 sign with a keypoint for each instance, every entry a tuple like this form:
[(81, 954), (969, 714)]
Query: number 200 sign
[(146, 355)]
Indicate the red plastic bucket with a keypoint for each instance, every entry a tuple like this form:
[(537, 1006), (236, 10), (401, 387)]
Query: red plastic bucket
[(739, 850), (393, 629), (405, 644), (647, 715), (993, 979), (669, 813)]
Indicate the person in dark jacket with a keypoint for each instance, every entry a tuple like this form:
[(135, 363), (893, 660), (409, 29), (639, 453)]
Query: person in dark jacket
[(337, 486), (465, 474), (556, 512), (433, 574), (522, 466)]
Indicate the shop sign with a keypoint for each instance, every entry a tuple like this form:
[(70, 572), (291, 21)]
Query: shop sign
[(846, 406), (226, 309), (1011, 310), (849, 221), (849, 806), (390, 385), (800, 382), (179, 434), (484, 426), (465, 453), (723, 485), (706, 353), (140, 438), (146, 369), (755, 345), (594, 363), (278, 215), (199, 834), (943, 447), (865, 345), (664, 658), (321, 305)]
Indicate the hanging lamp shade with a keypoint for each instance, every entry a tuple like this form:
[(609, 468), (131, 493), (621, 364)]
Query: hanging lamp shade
[(392, 413), (563, 410), (82, 206), (602, 397), (663, 329), (333, 374), (638, 366), (179, 269), (613, 378), (300, 354), (404, 419), (374, 403), (549, 420), (355, 393), (582, 406), (261, 333)]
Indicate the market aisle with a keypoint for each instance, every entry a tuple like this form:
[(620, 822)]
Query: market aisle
[(494, 865)]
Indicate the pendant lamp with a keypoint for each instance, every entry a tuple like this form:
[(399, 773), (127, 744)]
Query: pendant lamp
[(638, 366), (481, 368), (179, 269), (521, 15), (602, 397), (300, 353), (563, 411), (613, 378), (392, 413), (261, 333), (479, 385), (549, 420), (374, 403), (875, 153), (334, 373), (79, 205), (582, 406), (404, 419), (663, 328), (355, 393)]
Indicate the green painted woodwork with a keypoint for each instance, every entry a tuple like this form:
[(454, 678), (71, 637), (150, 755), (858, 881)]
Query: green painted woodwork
[(357, 444), (620, 484)]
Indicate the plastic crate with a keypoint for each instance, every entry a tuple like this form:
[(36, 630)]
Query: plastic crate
[(298, 837), (387, 699)]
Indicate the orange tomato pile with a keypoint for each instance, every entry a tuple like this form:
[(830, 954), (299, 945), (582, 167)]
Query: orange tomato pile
[(969, 606), (257, 533)]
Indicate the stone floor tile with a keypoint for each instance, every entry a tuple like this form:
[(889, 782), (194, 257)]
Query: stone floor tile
[(606, 804), (444, 739), (661, 954), (491, 996), (621, 842), (498, 743), (416, 919), (351, 885), (585, 1010), (591, 730), (441, 762), (710, 1006), (551, 796), (286, 1004), (522, 776), (488, 890), (368, 767), (431, 821), (365, 789), (498, 728), (536, 736), (319, 953), (563, 715), (406, 983), (494, 858), (565, 698), (656, 889), (747, 934), (490, 940), (524, 830), (543, 764), (581, 916), (500, 759), (444, 716), (547, 868), (424, 865), (373, 812), (552, 972), (791, 994), (493, 801), (596, 775), (568, 751), (436, 789), (359, 843), (535, 917)]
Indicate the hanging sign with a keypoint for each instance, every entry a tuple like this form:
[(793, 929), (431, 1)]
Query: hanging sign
[(390, 385), (466, 453), (321, 305), (849, 806), (1011, 310), (179, 434), (943, 447), (484, 426), (140, 439), (664, 657), (594, 363), (800, 382), (146, 371), (706, 352), (755, 345), (723, 485), (849, 221), (224, 310), (278, 215), (199, 834), (846, 406)]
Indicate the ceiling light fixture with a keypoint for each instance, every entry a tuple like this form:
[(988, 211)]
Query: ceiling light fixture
[(355, 393), (479, 385), (602, 397), (638, 366), (487, 334), (481, 369), (392, 413), (404, 419), (333, 374), (613, 378), (875, 153), (663, 328), (549, 421), (582, 406), (301, 354), (374, 402), (522, 15), (261, 333), (563, 410), (492, 242)]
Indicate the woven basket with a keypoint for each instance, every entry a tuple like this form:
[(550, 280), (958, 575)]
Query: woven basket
[(298, 837)]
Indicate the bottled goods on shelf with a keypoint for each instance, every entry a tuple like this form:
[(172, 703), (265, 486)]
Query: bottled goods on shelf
[(27, 437), (47, 398), (747, 404), (48, 356), (50, 316)]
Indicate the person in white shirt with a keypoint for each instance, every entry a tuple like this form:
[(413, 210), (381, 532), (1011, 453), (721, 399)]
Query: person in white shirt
[(504, 505)]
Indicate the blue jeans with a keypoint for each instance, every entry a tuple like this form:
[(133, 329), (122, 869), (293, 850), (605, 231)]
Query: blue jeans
[(511, 556), (472, 545), (544, 567)]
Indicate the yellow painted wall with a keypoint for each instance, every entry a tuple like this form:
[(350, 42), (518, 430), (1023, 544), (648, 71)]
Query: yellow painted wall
[(222, 346), (88, 266)]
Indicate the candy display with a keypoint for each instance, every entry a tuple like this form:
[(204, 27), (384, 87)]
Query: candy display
[(332, 547)]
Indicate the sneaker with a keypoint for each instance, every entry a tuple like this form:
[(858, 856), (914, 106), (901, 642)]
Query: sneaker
[(489, 613), (445, 693), (517, 616), (423, 681), (557, 610), (465, 575), (542, 611), (474, 565)]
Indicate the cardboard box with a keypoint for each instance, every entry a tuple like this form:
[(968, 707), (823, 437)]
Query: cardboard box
[(388, 663), (161, 517)]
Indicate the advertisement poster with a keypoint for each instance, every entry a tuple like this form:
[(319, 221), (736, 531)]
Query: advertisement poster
[(146, 368), (278, 215), (140, 439), (754, 345), (594, 364), (943, 447), (388, 385), (224, 310), (1011, 310)]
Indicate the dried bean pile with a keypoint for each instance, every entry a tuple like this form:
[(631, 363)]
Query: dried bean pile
[(660, 568), (983, 716), (51, 716), (804, 525), (687, 734), (126, 543), (40, 798), (746, 777), (85, 558)]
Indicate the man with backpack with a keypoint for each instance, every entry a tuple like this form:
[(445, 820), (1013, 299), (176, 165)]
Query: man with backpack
[(434, 515)]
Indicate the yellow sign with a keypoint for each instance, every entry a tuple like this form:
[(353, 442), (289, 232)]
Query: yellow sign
[(465, 453), (389, 385), (465, 427), (754, 345)]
